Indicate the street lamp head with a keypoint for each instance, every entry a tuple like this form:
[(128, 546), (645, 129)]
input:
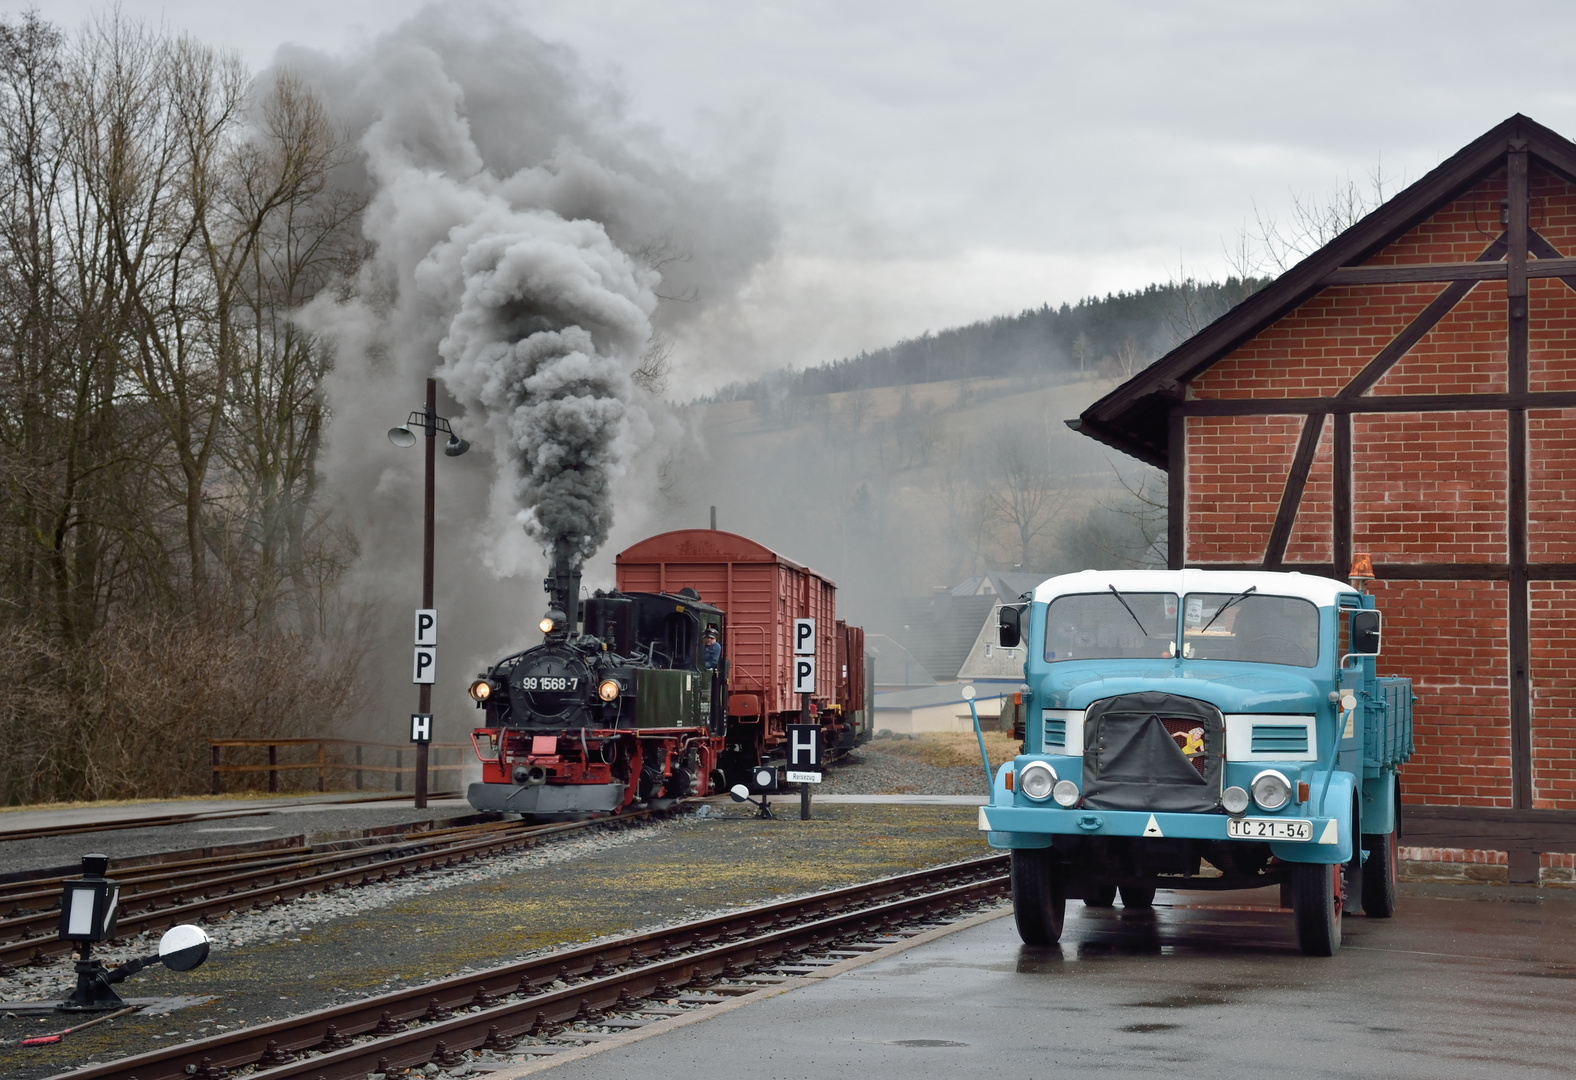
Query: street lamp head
[(455, 446), (402, 436)]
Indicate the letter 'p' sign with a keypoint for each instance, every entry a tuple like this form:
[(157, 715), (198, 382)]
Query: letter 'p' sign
[(804, 674)]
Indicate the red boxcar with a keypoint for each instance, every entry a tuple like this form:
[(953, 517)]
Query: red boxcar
[(762, 593)]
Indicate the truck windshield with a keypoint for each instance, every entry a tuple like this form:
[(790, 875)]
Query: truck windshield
[(1096, 626), (1257, 629)]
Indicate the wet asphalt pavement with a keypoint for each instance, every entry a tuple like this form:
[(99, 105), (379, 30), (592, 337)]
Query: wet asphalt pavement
[(1466, 986)]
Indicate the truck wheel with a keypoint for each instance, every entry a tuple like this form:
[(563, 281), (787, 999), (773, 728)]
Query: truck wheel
[(1104, 896), (1038, 902), (1137, 896), (1379, 875), (1316, 906)]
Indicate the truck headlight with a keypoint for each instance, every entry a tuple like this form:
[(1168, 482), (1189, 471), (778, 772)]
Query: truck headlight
[(1271, 790), (1066, 793), (1234, 799), (1036, 779)]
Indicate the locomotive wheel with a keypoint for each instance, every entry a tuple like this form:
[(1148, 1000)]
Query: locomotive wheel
[(1104, 896), (1317, 903), (1138, 897), (1038, 902)]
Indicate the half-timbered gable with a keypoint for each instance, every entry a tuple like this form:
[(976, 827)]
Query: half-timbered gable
[(1409, 392)]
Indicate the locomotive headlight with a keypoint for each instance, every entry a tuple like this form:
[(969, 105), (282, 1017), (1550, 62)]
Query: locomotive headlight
[(482, 689), (546, 625), (1271, 790), (1036, 779), (608, 689)]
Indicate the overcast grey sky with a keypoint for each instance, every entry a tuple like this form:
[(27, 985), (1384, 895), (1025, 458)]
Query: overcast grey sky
[(937, 162)]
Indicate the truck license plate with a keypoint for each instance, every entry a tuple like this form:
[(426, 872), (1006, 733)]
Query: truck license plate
[(1268, 829)]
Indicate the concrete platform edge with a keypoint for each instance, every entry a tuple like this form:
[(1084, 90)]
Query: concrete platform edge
[(663, 1026)]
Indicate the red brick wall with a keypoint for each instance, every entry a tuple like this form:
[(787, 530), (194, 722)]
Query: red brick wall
[(1427, 487), (1449, 638), (1553, 605), (1236, 472), (1313, 533)]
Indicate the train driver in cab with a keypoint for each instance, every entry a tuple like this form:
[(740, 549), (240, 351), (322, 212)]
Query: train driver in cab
[(712, 653)]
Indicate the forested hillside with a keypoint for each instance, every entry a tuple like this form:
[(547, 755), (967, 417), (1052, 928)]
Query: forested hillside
[(1111, 336)]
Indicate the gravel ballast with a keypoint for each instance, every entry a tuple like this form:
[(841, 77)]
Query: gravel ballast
[(329, 949)]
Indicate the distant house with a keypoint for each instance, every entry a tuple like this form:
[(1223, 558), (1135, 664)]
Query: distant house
[(987, 660), (937, 708), (896, 667), (1003, 583), (951, 635)]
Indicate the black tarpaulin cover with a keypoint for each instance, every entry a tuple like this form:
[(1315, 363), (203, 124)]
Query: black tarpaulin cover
[(1132, 762)]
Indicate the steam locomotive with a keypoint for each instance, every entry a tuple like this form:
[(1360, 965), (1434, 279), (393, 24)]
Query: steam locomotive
[(617, 706)]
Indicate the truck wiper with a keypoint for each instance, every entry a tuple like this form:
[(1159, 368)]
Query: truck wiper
[(1241, 596), (1123, 602)]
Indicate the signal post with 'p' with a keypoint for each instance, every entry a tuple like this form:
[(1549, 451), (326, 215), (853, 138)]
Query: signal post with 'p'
[(804, 738)]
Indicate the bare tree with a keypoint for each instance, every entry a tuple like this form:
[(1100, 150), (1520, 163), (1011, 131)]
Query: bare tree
[(1022, 491)]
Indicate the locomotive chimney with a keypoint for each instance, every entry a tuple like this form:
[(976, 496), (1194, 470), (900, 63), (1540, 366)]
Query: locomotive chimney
[(563, 584)]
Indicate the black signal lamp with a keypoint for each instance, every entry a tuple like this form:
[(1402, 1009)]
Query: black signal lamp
[(87, 914), (88, 910)]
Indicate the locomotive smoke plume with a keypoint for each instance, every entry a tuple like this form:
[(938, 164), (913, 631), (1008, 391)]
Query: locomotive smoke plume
[(515, 220), (551, 319), (541, 317)]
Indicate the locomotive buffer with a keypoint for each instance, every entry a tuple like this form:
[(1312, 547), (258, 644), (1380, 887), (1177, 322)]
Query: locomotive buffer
[(804, 738)]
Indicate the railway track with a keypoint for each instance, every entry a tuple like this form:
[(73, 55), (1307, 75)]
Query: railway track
[(158, 820), (159, 896), (556, 997)]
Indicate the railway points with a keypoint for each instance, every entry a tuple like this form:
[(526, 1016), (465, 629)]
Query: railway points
[(316, 958)]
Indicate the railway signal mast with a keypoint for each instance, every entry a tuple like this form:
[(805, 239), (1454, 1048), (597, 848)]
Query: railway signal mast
[(425, 663)]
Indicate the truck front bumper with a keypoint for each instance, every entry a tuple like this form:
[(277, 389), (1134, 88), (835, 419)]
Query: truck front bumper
[(1038, 827)]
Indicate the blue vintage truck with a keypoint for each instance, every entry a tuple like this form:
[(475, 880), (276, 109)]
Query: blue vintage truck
[(1200, 729)]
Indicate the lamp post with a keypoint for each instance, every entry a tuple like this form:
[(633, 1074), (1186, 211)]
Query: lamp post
[(430, 423)]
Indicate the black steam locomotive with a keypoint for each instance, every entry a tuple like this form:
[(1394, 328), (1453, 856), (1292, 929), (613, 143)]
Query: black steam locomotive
[(615, 707)]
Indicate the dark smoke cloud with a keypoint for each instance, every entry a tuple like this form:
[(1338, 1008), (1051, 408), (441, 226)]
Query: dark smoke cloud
[(519, 230)]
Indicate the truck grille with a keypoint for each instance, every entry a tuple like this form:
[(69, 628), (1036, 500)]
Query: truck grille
[(1279, 740), (1055, 733)]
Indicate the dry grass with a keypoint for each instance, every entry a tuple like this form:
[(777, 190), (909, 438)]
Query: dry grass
[(950, 750)]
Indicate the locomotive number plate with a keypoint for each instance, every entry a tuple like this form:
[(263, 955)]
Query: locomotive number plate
[(1258, 828), (549, 682)]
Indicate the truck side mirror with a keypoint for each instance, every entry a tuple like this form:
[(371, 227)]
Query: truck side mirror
[(1365, 633), (1009, 627)]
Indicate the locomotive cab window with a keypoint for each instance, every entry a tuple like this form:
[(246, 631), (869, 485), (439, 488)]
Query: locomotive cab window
[(681, 640)]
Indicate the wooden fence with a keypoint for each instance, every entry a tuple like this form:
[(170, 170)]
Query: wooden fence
[(343, 761)]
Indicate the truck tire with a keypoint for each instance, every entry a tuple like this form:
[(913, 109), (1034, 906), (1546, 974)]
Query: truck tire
[(1379, 872), (1317, 903), (1138, 896), (1038, 902), (1379, 875), (1104, 896)]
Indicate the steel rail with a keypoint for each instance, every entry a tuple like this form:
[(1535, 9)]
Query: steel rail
[(156, 821), (46, 891), (141, 911), (517, 998)]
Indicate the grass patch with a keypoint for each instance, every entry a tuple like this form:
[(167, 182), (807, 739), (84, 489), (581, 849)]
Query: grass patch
[(950, 749)]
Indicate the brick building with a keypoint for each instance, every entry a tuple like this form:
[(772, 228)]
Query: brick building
[(1409, 391)]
